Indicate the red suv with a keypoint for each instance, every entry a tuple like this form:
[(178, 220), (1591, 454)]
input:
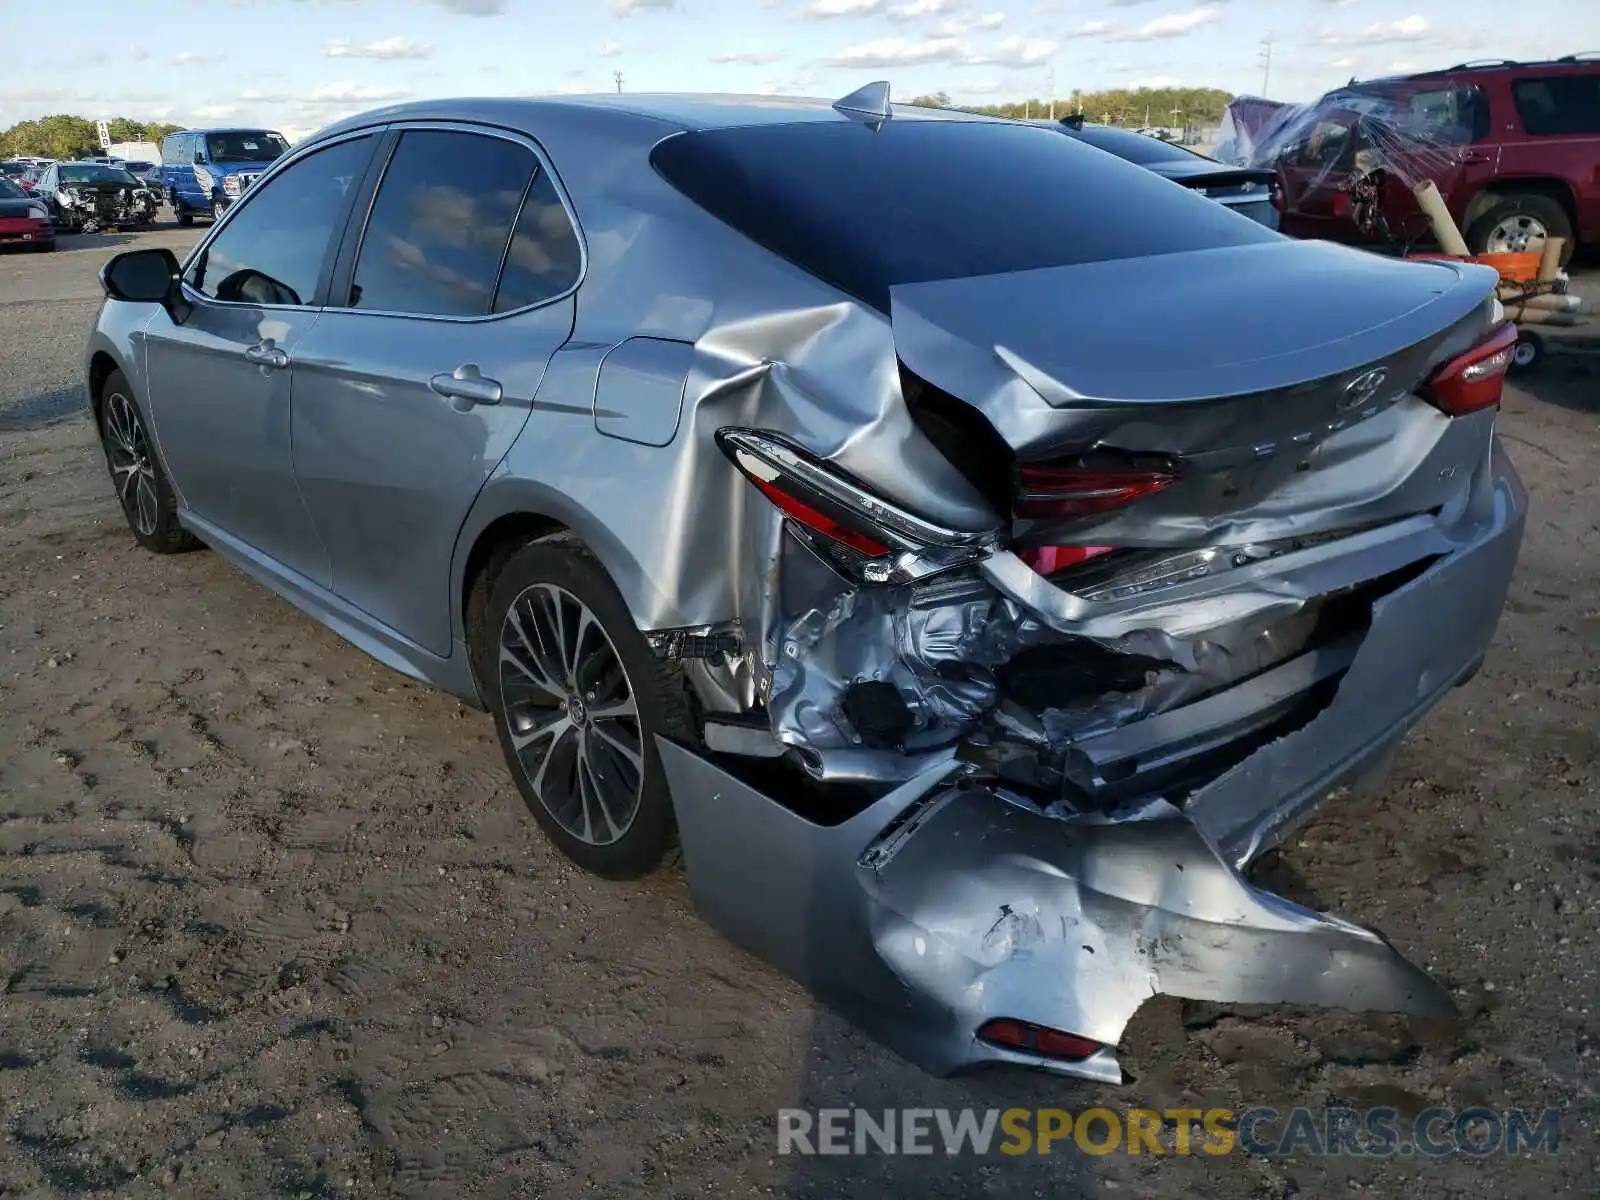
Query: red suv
[(1514, 148)]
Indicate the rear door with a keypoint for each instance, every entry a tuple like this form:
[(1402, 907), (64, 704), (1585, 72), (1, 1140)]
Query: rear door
[(1555, 133), (444, 313), (220, 381)]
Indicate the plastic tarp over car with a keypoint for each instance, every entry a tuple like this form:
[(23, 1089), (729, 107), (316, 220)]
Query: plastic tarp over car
[(1392, 132)]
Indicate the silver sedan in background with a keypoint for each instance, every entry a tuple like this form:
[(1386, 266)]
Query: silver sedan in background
[(971, 548)]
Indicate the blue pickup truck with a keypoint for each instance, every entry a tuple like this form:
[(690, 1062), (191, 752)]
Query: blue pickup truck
[(205, 170)]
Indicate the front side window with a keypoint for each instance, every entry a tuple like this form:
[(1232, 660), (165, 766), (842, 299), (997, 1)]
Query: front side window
[(10, 191), (440, 224), (272, 250), (1559, 105), (245, 146), (1453, 116)]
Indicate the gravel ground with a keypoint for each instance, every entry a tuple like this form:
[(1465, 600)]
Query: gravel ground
[(273, 920)]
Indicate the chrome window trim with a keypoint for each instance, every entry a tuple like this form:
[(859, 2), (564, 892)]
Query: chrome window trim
[(194, 294), (543, 164)]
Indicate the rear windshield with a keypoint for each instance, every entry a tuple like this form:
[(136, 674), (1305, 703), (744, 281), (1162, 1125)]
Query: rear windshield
[(10, 191), (1135, 147), (866, 209)]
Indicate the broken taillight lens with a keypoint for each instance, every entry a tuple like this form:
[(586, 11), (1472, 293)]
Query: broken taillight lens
[(826, 500), (1037, 1039), (1475, 380), (816, 521), (1047, 560), (1065, 492)]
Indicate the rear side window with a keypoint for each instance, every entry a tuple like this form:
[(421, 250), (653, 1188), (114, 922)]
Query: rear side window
[(1559, 105), (867, 209), (544, 258), (440, 224)]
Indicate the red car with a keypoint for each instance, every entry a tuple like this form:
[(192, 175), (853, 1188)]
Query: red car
[(1513, 147), (24, 220)]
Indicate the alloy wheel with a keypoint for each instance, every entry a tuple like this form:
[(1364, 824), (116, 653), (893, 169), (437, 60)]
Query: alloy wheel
[(571, 713), (132, 468), (1518, 233)]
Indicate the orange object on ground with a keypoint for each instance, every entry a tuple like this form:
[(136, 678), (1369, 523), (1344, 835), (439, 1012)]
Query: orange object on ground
[(1519, 267)]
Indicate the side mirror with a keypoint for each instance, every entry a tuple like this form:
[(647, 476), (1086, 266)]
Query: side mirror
[(146, 277)]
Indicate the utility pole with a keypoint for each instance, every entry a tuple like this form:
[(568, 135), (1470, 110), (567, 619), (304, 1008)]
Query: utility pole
[(617, 75), (1266, 64), (1050, 86)]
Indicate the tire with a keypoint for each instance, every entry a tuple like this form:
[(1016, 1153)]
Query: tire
[(1521, 221), (147, 499), (592, 818), (218, 208), (182, 212), (1527, 353)]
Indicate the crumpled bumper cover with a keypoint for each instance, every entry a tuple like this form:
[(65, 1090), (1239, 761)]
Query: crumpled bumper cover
[(945, 904)]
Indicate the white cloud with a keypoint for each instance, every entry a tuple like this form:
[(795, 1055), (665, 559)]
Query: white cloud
[(1342, 64), (631, 8), (914, 10), (354, 93), (388, 48), (191, 58), (753, 57), (1156, 82), (575, 89), (1094, 29), (217, 112), (611, 50), (823, 10), (472, 8), (1406, 29), (899, 52), (1176, 24), (1012, 52), (138, 54), (968, 23)]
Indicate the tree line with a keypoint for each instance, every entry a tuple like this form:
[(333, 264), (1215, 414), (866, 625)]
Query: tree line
[(1136, 107), (66, 136)]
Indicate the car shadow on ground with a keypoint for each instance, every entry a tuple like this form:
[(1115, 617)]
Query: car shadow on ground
[(1567, 375), (43, 409)]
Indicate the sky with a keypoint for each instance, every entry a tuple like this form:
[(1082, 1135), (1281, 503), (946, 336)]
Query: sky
[(295, 65)]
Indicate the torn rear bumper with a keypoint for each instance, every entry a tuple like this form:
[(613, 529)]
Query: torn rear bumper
[(948, 903)]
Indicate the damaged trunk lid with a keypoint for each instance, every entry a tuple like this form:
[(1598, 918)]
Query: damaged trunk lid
[(1222, 373)]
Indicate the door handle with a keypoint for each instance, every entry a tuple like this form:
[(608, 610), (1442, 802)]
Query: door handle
[(267, 354), (1475, 156), (467, 386)]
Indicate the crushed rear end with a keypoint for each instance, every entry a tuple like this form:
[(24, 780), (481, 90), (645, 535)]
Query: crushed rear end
[(987, 785)]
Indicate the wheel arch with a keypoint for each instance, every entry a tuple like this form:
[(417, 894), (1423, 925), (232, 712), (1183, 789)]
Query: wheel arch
[(101, 367), (1549, 186), (510, 513)]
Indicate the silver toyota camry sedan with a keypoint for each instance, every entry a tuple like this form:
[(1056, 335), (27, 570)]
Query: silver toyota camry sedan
[(971, 548)]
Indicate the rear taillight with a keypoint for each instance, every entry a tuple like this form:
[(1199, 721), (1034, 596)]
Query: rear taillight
[(1277, 195), (1342, 205), (896, 543), (1038, 1039), (1064, 493), (817, 521), (1475, 380)]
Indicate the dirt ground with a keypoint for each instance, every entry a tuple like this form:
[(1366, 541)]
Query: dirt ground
[(274, 922)]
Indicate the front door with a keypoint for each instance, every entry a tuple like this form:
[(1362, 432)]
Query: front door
[(221, 381), (409, 394)]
